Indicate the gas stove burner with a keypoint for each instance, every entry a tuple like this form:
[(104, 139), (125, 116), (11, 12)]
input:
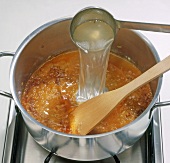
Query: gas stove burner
[(48, 158), (52, 153), (116, 159)]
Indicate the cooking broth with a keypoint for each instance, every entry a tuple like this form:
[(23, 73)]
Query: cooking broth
[(50, 93), (94, 37)]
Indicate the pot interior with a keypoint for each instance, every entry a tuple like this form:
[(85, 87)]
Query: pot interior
[(53, 38)]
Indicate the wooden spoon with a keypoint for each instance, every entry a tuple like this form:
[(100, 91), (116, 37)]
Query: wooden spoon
[(88, 114)]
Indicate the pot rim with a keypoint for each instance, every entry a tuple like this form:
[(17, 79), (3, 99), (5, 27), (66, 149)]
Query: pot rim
[(17, 101)]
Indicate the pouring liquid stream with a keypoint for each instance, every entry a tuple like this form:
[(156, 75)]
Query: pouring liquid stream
[(94, 39)]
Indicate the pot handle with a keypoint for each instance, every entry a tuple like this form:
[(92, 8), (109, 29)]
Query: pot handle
[(4, 54), (159, 104)]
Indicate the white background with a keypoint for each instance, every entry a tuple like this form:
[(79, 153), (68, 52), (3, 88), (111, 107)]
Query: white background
[(20, 17)]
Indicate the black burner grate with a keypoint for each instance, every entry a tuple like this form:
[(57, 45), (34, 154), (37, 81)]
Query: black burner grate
[(51, 154)]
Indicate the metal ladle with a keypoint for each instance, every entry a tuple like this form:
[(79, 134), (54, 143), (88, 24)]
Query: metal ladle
[(92, 13), (91, 80)]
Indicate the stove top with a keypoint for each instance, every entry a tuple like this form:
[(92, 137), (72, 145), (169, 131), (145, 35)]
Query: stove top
[(19, 146)]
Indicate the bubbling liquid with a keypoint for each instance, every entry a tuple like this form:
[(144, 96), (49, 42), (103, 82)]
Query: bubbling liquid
[(50, 93)]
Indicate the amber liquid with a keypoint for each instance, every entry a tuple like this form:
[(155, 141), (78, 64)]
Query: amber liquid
[(94, 39), (50, 93)]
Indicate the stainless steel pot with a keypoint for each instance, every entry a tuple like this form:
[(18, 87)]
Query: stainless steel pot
[(52, 39)]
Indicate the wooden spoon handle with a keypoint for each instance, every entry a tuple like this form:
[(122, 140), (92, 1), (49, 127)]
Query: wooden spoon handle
[(148, 75), (91, 112)]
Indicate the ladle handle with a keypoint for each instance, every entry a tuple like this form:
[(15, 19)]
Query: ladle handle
[(147, 76), (143, 26)]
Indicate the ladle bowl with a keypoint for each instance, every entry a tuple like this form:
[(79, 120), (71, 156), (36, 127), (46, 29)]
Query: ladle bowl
[(94, 13)]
